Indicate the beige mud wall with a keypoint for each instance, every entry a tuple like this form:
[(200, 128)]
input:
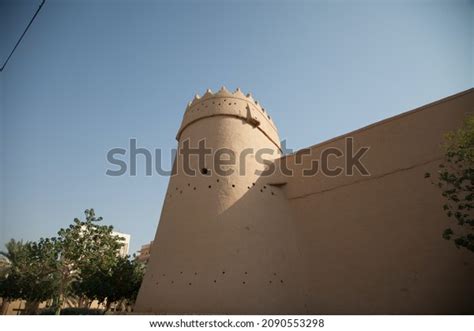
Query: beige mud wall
[(372, 244), (320, 245)]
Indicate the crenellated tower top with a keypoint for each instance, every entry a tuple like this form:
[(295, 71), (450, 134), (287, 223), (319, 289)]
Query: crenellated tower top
[(233, 104), (224, 93)]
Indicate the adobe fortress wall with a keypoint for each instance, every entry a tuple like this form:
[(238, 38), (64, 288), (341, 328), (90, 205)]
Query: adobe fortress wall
[(347, 244), (372, 244)]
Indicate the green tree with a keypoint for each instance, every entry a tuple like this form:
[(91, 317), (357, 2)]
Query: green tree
[(83, 246), (9, 289), (29, 276), (93, 283), (78, 262), (38, 280), (124, 281), (118, 283), (456, 180)]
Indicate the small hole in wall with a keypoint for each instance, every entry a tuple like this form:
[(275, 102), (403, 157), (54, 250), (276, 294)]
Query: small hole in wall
[(181, 192), (189, 184), (253, 184), (270, 282), (273, 193), (243, 283), (248, 187), (261, 190), (194, 188), (181, 272), (215, 281), (204, 171), (225, 100), (219, 104), (190, 284), (195, 273), (233, 185), (176, 189), (246, 272), (210, 186), (235, 103), (269, 117), (230, 103), (264, 186), (281, 281), (223, 272), (172, 282), (217, 180)]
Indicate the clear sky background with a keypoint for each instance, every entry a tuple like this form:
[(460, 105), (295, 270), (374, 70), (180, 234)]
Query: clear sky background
[(90, 75)]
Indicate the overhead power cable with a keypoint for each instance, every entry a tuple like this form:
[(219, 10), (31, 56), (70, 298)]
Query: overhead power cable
[(22, 35)]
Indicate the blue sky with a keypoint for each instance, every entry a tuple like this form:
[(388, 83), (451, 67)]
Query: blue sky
[(90, 75)]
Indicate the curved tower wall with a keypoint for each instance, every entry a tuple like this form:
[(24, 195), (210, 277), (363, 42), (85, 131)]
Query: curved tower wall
[(224, 244)]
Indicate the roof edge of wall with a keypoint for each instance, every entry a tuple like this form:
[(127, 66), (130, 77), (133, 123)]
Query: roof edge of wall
[(384, 121)]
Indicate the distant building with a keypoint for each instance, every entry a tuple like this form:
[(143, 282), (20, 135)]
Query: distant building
[(144, 252), (126, 242)]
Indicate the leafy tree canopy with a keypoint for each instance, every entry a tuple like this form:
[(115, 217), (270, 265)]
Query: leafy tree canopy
[(82, 260), (456, 180)]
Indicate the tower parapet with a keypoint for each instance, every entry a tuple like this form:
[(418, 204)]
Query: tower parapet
[(234, 104)]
